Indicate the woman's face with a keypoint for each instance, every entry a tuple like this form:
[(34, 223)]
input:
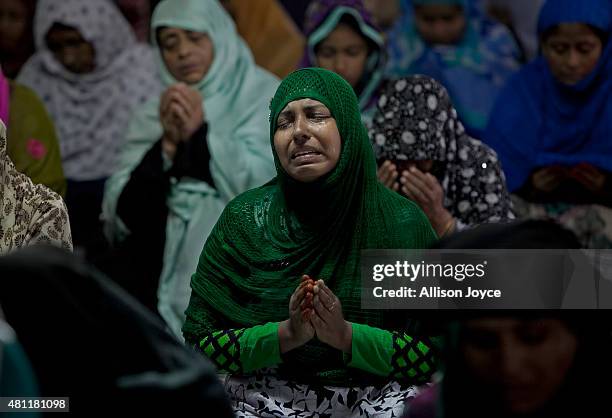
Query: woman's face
[(71, 49), (344, 52), (307, 140), (440, 24), (13, 23), (188, 55), (524, 362), (572, 52)]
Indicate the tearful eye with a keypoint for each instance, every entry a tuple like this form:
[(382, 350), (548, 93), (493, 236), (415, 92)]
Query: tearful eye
[(282, 124)]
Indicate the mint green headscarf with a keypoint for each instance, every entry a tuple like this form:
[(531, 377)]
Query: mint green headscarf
[(236, 94), (268, 237)]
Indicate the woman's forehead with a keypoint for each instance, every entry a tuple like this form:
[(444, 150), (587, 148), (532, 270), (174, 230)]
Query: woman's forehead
[(303, 103), (170, 30)]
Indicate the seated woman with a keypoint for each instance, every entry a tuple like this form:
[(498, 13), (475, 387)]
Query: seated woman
[(189, 151), (455, 43), (32, 141), (343, 38), (276, 294), (29, 214), (90, 73), (425, 154), (552, 122)]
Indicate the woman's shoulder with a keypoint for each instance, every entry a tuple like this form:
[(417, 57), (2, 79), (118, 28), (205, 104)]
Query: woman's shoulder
[(403, 211), (21, 93), (26, 100), (246, 203)]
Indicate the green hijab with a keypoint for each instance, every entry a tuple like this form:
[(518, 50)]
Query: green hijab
[(268, 237)]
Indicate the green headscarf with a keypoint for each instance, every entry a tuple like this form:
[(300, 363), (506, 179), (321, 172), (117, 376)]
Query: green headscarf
[(268, 237), (235, 94)]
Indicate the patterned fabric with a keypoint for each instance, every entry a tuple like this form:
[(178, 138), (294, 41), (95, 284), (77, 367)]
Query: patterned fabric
[(263, 394), (538, 121), (413, 360), (322, 17), (91, 111), (268, 237), (29, 214), (223, 349), (482, 61), (236, 94), (417, 121)]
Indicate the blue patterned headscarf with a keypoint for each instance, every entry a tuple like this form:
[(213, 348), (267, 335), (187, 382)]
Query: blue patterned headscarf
[(482, 60), (538, 121)]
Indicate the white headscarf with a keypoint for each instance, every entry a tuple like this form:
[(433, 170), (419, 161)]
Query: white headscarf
[(91, 111)]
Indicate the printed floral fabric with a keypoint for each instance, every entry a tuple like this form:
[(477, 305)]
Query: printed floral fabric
[(263, 394), (29, 214)]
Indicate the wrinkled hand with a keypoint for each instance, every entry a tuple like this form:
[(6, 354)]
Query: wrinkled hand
[(589, 176), (387, 175), (549, 178), (297, 330), (425, 190), (328, 321)]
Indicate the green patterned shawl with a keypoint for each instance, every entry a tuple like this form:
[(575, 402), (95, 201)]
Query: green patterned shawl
[(268, 237)]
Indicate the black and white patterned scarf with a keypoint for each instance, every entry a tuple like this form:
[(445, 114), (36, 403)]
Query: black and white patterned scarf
[(416, 121)]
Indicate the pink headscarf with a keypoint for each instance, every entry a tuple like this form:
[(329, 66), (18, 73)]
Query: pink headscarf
[(4, 99)]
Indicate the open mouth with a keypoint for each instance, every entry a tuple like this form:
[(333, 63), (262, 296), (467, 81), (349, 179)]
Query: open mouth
[(304, 154)]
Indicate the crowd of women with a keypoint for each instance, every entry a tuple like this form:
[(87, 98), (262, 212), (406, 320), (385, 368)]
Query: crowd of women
[(225, 165)]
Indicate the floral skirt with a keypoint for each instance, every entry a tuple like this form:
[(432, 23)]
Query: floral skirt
[(592, 224), (266, 395)]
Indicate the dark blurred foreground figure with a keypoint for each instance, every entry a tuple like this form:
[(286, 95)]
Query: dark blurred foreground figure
[(520, 363), (87, 339)]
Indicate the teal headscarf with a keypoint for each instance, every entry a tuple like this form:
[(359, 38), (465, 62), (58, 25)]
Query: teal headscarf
[(235, 94), (268, 237)]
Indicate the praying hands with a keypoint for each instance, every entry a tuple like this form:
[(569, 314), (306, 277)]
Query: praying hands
[(181, 114)]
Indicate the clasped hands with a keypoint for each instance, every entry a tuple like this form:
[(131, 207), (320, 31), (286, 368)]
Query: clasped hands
[(181, 114), (314, 311), (422, 188)]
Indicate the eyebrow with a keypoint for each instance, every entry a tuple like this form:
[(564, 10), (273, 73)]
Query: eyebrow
[(308, 107)]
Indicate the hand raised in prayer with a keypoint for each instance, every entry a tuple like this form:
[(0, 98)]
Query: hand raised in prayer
[(328, 320), (589, 176), (170, 124), (425, 190), (185, 104), (297, 330), (549, 178), (387, 175)]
